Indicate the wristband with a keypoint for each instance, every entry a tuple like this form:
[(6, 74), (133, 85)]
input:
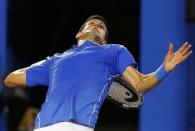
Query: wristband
[(161, 74)]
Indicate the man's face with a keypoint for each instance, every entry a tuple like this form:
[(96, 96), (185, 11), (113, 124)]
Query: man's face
[(94, 29)]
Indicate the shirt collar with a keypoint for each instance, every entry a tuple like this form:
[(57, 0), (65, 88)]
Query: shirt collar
[(87, 43)]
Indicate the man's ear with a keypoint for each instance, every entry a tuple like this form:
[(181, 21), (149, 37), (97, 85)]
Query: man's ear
[(78, 35)]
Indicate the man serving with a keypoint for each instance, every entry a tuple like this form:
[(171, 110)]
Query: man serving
[(78, 79)]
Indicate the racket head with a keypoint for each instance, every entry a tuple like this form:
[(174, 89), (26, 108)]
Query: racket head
[(124, 95)]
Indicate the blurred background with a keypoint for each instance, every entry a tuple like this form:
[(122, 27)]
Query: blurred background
[(31, 30)]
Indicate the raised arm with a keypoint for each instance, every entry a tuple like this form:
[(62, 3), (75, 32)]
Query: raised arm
[(144, 83), (36, 74), (16, 78)]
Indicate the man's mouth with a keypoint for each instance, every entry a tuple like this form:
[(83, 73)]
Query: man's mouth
[(94, 29)]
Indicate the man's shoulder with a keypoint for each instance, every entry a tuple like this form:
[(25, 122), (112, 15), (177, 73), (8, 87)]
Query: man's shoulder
[(114, 46)]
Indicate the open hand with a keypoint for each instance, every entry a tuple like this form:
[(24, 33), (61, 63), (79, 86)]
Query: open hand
[(172, 58)]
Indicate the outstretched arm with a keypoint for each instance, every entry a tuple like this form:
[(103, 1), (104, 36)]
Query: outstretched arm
[(144, 83)]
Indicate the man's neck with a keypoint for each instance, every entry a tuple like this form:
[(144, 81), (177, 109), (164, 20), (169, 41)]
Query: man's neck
[(80, 42)]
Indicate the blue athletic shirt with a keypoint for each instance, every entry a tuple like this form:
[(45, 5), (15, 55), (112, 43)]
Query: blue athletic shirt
[(78, 81)]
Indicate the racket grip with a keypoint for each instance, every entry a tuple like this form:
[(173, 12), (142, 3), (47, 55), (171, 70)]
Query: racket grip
[(161, 74)]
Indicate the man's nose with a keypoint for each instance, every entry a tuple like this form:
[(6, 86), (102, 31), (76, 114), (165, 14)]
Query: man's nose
[(96, 24)]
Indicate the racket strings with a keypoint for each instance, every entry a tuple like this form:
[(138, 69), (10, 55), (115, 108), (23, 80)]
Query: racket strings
[(124, 95), (120, 94)]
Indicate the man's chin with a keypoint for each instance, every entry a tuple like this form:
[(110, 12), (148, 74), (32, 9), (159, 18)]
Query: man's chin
[(92, 32), (91, 35)]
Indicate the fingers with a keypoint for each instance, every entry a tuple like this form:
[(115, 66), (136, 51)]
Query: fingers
[(183, 53), (186, 49), (183, 47), (171, 48), (187, 55)]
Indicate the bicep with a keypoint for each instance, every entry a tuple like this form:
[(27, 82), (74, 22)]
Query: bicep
[(16, 78), (133, 76)]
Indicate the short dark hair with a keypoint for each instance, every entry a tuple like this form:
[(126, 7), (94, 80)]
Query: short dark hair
[(101, 18)]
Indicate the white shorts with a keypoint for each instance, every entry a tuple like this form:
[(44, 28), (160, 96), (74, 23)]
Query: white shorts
[(65, 126)]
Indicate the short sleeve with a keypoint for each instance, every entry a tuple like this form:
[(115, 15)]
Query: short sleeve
[(38, 73), (124, 59)]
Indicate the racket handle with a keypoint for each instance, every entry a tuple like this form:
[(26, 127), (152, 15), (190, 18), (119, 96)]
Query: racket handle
[(161, 74)]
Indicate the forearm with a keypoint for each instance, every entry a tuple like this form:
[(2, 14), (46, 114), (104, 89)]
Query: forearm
[(151, 80), (144, 83), (147, 83)]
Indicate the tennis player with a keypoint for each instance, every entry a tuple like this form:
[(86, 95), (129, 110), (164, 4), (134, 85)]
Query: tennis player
[(78, 79)]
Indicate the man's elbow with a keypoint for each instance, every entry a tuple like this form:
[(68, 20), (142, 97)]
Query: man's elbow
[(6, 82), (9, 81), (13, 80)]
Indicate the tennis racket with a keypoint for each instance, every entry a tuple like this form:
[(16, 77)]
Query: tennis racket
[(124, 95)]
